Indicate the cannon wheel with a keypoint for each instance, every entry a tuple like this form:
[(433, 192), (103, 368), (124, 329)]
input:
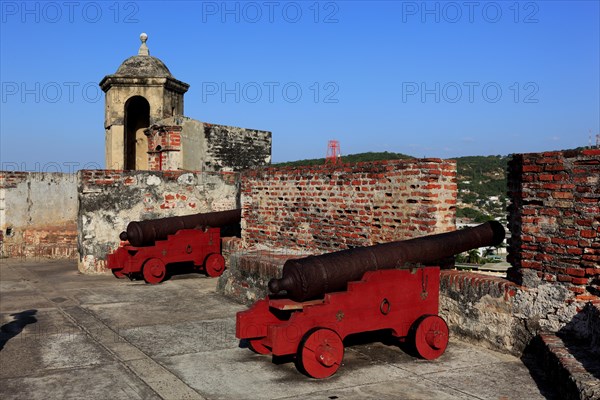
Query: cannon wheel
[(118, 274), (214, 265), (258, 347), (430, 336), (154, 271), (320, 353)]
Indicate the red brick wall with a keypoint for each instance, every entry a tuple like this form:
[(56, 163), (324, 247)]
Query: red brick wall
[(325, 208), (58, 242), (164, 147), (555, 219), (10, 179)]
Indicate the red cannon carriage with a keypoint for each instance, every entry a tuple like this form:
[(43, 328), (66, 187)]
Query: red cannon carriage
[(405, 301), (198, 246), (331, 296), (151, 246)]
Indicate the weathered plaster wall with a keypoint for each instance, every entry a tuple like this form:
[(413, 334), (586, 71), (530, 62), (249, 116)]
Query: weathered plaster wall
[(110, 199), (326, 208), (249, 271), (38, 214), (188, 144)]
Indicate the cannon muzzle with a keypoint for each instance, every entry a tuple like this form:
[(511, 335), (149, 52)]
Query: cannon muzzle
[(145, 233), (313, 276)]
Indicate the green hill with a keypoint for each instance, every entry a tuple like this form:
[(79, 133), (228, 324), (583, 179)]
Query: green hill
[(482, 187), (350, 158), (481, 181)]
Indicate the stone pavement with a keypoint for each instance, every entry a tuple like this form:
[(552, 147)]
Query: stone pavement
[(69, 336)]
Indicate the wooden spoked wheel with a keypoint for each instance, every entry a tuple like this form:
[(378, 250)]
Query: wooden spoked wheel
[(430, 336), (154, 271), (320, 353)]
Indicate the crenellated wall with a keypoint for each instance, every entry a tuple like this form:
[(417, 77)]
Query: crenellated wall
[(554, 250)]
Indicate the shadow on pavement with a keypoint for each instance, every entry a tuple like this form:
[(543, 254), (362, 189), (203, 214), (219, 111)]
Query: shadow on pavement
[(14, 327)]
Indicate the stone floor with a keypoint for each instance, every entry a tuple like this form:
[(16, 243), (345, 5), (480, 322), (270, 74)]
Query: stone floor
[(65, 335)]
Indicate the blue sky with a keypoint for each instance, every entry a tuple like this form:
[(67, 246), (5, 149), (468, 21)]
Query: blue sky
[(435, 79)]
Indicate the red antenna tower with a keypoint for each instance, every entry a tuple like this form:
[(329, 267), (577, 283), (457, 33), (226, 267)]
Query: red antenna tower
[(334, 155)]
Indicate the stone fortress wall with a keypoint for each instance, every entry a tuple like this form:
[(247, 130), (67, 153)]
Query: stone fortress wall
[(554, 222)]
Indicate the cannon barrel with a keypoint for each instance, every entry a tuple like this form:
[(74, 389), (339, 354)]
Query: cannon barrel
[(145, 233), (313, 276)]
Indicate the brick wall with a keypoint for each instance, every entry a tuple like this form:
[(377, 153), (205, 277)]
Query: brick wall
[(110, 199), (326, 208), (164, 148), (555, 219), (38, 213)]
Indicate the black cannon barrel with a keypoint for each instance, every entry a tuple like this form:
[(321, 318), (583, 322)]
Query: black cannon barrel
[(313, 276), (145, 233)]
